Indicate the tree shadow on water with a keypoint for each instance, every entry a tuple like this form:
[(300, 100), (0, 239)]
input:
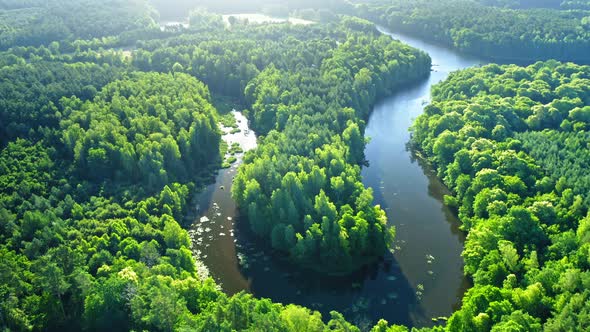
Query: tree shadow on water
[(377, 291)]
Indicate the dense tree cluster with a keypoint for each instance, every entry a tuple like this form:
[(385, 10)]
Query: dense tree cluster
[(525, 3), (302, 186), (39, 22), (557, 4), (69, 263), (495, 135), (151, 128), (74, 257), (32, 88), (67, 259), (227, 61), (489, 31), (565, 155)]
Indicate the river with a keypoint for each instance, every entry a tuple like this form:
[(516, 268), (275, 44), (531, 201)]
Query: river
[(262, 18), (428, 240), (422, 279)]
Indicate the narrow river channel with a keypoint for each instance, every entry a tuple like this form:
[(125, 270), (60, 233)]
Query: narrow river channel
[(428, 241), (423, 279)]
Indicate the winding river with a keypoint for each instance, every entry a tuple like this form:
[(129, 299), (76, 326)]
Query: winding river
[(421, 280)]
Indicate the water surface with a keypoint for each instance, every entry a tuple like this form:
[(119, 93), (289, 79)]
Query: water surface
[(212, 233), (428, 240), (173, 25), (262, 18)]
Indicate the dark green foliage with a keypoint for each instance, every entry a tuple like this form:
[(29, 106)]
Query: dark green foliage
[(39, 22), (492, 32), (526, 3), (29, 103), (565, 155)]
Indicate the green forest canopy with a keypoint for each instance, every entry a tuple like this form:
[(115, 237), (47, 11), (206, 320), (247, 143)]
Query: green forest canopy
[(38, 22), (495, 135), (102, 149)]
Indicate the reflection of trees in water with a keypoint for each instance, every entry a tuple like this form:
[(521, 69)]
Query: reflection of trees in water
[(437, 190), (374, 292)]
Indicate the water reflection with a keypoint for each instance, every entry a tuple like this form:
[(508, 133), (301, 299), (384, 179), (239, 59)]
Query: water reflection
[(375, 292), (428, 234)]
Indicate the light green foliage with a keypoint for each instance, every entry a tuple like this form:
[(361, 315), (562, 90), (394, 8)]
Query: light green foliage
[(521, 190), (153, 127)]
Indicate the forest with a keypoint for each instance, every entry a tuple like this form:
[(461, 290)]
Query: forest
[(510, 143), (177, 9), (109, 128), (492, 29), (38, 22)]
